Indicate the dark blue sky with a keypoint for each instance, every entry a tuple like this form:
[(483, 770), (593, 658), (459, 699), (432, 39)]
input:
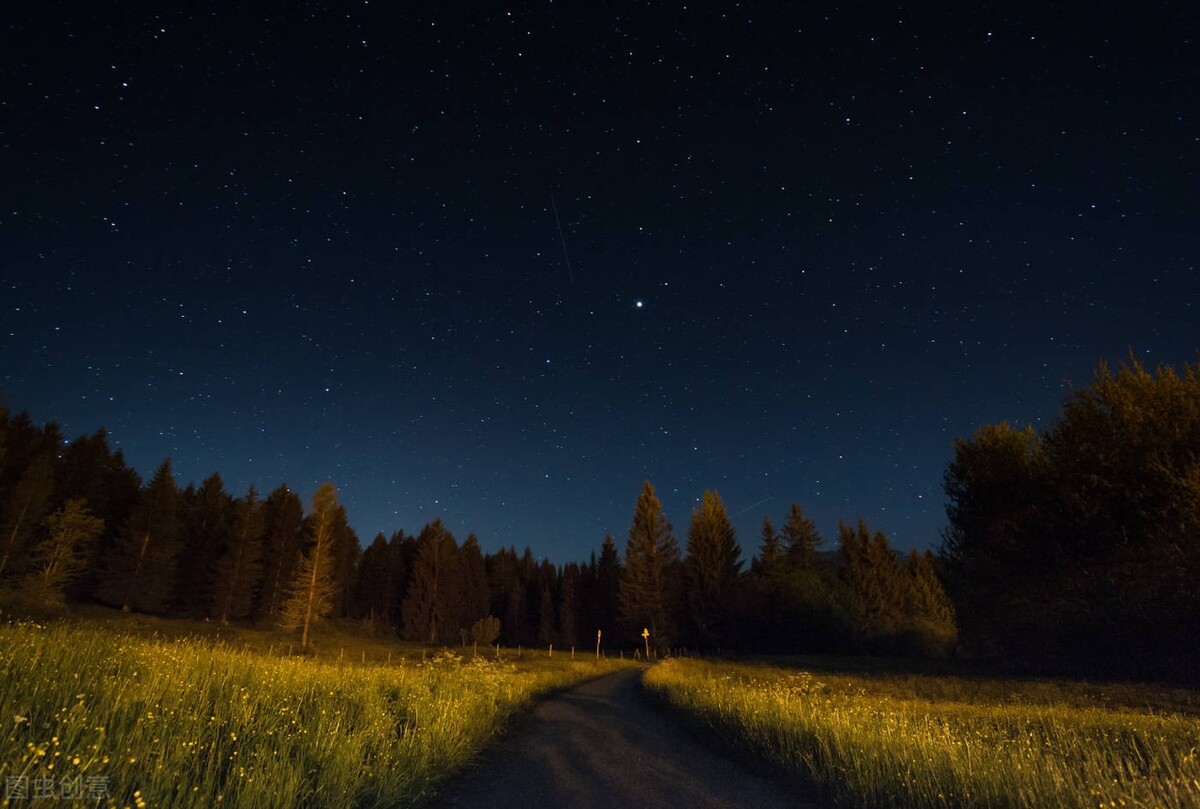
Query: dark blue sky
[(807, 248)]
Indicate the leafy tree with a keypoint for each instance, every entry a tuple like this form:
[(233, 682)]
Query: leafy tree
[(141, 569), (711, 568), (431, 607), (313, 592), (58, 557), (485, 631), (649, 588), (283, 539), (238, 570)]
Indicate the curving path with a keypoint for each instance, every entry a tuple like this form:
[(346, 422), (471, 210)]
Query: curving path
[(601, 745)]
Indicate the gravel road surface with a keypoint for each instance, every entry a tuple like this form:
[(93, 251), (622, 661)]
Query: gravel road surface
[(603, 745)]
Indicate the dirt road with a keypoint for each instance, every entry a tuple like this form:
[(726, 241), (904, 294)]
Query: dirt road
[(602, 745)]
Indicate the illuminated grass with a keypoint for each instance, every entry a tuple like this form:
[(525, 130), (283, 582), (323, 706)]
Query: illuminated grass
[(185, 723), (872, 742)]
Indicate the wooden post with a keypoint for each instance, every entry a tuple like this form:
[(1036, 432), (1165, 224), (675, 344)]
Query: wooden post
[(551, 653), (364, 656), (598, 644), (646, 637), (572, 652)]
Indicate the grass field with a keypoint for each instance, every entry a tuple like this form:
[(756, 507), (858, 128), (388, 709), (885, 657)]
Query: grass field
[(178, 721), (911, 740)]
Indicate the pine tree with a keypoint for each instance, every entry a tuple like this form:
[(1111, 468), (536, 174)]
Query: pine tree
[(872, 571), (770, 552), (23, 511), (608, 587), (238, 570), (140, 572), (649, 589), (712, 567), (929, 613), (568, 604), (313, 590), (58, 558), (431, 607), (283, 522), (476, 598), (375, 584), (800, 538), (206, 517)]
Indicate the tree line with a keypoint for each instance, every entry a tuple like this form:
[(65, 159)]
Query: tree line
[(1076, 547), (77, 524)]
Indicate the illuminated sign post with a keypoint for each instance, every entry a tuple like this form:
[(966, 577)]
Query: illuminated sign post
[(646, 637)]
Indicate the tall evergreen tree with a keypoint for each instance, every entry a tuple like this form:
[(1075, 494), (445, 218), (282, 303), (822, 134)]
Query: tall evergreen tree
[(207, 518), (712, 567), (313, 591), (608, 588), (547, 623), (770, 552), (476, 597), (375, 583), (431, 608), (283, 522), (23, 511), (650, 583), (568, 604), (800, 538), (872, 571), (239, 568), (140, 572)]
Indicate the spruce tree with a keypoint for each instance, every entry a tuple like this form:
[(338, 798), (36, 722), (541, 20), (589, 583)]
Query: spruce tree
[(313, 591), (375, 584), (568, 604), (476, 597), (712, 567), (431, 607), (141, 568), (238, 570), (608, 587), (283, 523), (206, 521), (800, 538), (23, 511), (770, 552), (650, 581)]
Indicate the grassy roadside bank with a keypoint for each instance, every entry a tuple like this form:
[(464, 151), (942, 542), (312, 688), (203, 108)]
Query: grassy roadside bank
[(915, 741), (185, 722)]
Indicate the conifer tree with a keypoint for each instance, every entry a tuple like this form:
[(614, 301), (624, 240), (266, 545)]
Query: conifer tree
[(770, 552), (650, 582), (873, 573), (712, 567), (238, 570), (800, 538), (23, 511), (476, 598), (568, 604), (206, 520), (608, 587), (283, 522), (313, 590), (547, 625), (375, 583), (431, 606), (141, 568)]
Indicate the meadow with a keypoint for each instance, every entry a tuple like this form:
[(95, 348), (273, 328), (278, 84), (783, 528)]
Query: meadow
[(916, 740), (183, 721)]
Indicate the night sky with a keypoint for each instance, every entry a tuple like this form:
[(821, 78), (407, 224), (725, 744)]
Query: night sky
[(500, 266)]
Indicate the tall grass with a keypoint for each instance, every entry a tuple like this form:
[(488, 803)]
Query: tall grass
[(186, 723), (875, 743)]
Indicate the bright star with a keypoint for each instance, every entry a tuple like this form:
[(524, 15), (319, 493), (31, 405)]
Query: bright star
[(638, 304)]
